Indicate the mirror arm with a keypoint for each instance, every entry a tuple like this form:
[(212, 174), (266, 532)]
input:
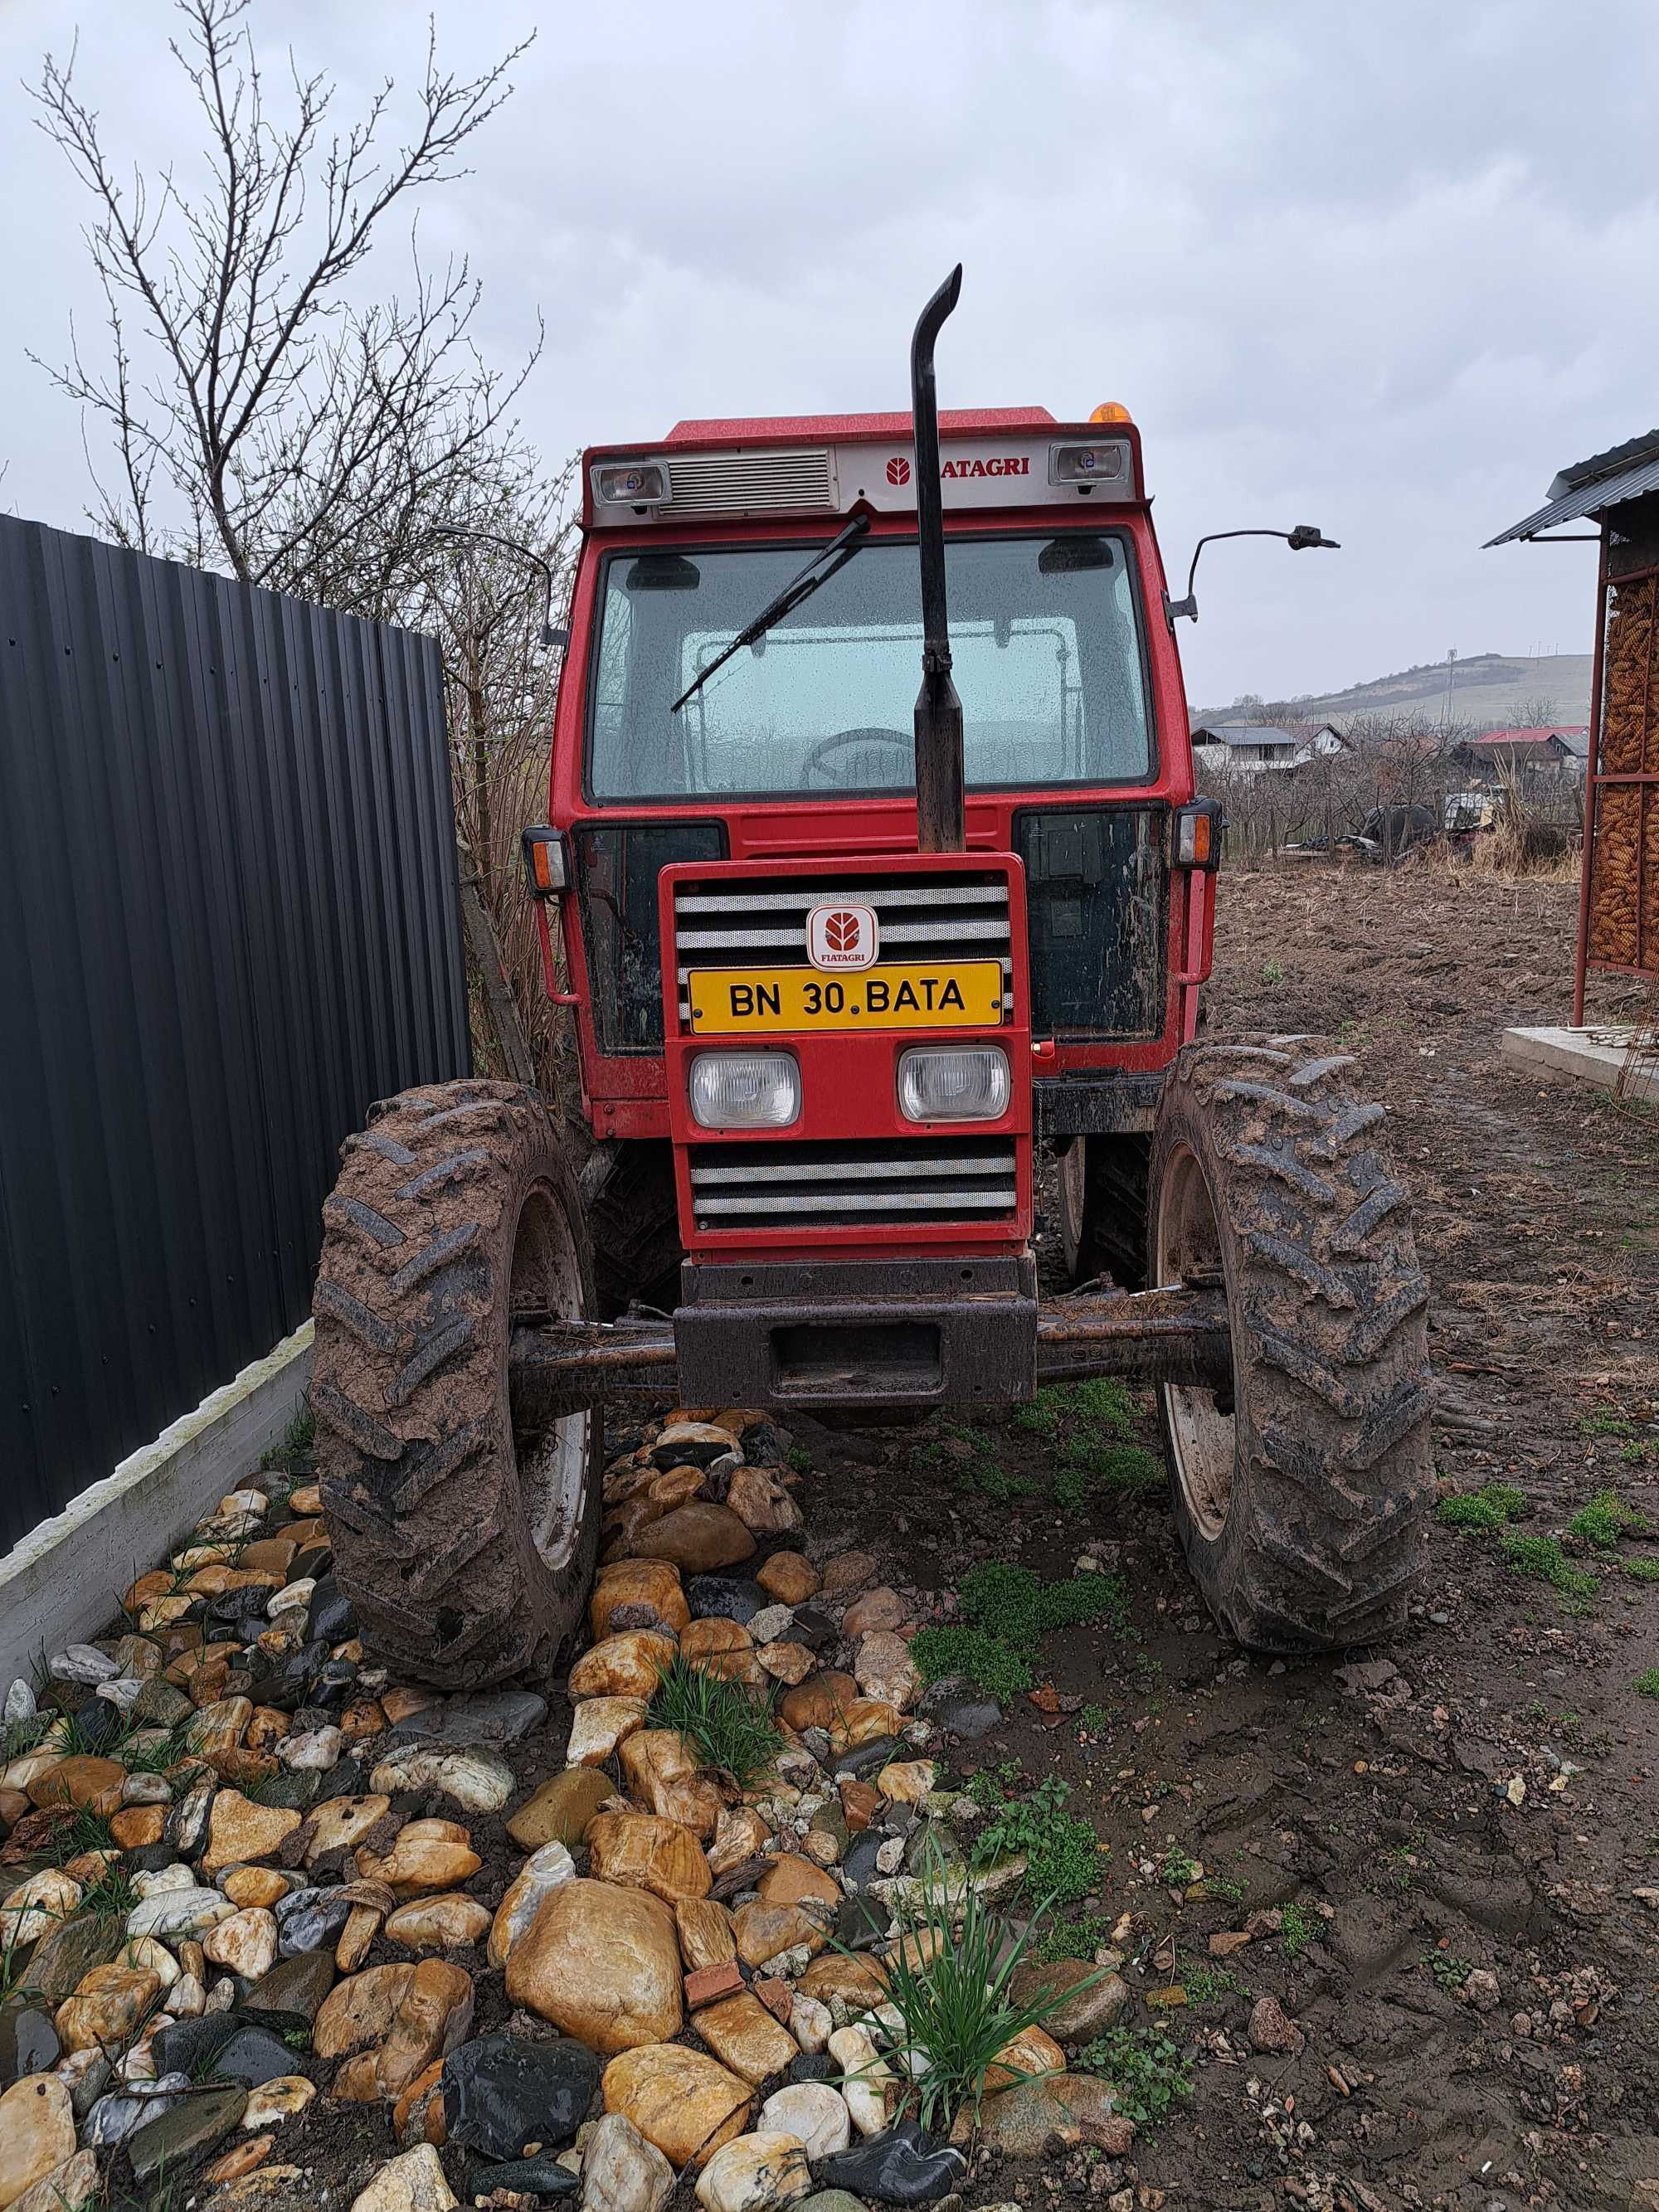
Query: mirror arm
[(1299, 539)]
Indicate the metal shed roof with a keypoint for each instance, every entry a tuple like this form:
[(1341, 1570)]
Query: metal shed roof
[(1589, 487)]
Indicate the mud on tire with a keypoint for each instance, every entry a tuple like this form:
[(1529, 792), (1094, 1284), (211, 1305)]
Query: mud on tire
[(466, 1549), (1300, 1513)]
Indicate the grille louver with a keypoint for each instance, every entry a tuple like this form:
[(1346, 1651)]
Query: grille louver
[(744, 483)]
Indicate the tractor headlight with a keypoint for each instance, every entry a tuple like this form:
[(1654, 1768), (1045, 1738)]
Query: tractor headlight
[(953, 1083), (745, 1089)]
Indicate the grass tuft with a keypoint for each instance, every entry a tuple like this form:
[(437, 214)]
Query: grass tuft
[(298, 1438), (725, 1724), (985, 1661), (1542, 1559), (956, 2009), (1605, 1520), (1646, 1568), (1647, 1685), (1494, 1507)]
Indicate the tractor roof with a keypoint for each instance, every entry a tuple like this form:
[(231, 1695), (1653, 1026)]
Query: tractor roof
[(787, 429)]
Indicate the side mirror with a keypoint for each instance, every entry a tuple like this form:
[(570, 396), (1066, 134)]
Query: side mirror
[(1299, 539)]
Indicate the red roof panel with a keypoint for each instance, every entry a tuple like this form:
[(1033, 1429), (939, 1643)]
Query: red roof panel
[(771, 429)]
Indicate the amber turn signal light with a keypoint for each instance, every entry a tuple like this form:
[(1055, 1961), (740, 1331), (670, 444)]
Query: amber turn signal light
[(1198, 830), (545, 867)]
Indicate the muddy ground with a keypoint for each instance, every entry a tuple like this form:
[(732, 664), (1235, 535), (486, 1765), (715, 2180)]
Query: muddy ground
[(1492, 1803)]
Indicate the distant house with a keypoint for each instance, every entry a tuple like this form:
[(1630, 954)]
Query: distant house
[(1257, 748), (1557, 753)]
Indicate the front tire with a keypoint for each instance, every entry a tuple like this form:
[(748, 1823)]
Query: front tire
[(1300, 1506), (467, 1548)]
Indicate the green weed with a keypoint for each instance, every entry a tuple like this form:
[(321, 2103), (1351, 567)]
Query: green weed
[(1607, 1421), (298, 1439), (1074, 1939), (1093, 1720), (988, 1664), (1646, 1568), (1086, 1463), (798, 1459), (1205, 1982), (1605, 1520), (1647, 1449), (1451, 1972), (1061, 1850), (1009, 1602), (1178, 1869), (956, 2009), (1144, 2067), (725, 1725), (1542, 1559), (111, 1897), (1494, 1507), (1298, 1930), (1272, 971), (1647, 1685)]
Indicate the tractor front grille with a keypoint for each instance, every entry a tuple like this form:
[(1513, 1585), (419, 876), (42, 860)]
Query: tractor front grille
[(888, 1181), (746, 483), (760, 921)]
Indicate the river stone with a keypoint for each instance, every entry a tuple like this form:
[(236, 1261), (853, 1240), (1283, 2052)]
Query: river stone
[(602, 1964), (252, 2056), (868, 1758), (755, 2173), (904, 2165), (730, 1597), (811, 2111), (503, 2092), (1086, 1999), (330, 1618), (692, 1443), (745, 2037), (37, 2133), (1042, 2118), (479, 1780), (559, 1810), (541, 1873), (684, 2102), (437, 1924), (432, 2016), (655, 1582), (123, 2111), (527, 2177), (599, 1725), (107, 2007), (71, 1951), (172, 1915), (295, 1988), (698, 1537), (413, 2183), (485, 1717), (426, 1855), (643, 1851), (29, 2042), (626, 1666), (621, 2172), (309, 1918), (194, 2128), (69, 2185)]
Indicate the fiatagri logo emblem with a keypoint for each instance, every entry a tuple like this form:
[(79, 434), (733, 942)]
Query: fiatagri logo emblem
[(898, 470), (842, 937)]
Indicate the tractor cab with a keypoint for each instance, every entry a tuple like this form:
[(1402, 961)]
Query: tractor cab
[(852, 1042)]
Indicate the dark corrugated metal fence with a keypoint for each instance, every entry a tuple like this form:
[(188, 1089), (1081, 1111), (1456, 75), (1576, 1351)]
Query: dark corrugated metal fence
[(227, 923)]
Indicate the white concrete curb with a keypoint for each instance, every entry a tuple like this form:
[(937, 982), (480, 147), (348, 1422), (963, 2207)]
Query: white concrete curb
[(60, 1584), (1586, 1055)]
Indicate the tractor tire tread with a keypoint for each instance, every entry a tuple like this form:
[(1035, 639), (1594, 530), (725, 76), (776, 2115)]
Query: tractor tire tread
[(415, 1437), (1334, 1474)]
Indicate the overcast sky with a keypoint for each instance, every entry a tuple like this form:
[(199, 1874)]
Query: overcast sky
[(1384, 269)]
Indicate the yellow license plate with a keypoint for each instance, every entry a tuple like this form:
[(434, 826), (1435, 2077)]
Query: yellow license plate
[(958, 994)]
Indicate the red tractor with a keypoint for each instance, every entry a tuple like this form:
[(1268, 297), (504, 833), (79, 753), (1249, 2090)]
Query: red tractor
[(840, 968)]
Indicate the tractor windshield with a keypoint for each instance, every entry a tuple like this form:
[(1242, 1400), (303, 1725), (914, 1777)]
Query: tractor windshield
[(1044, 633)]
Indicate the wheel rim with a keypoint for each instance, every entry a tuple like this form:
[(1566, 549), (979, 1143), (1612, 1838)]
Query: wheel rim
[(1071, 1191), (1187, 1246), (552, 1462)]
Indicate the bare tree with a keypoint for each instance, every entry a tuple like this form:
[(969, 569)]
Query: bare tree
[(1535, 712), (271, 422)]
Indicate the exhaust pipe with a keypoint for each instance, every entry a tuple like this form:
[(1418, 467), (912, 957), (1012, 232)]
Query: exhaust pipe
[(940, 824)]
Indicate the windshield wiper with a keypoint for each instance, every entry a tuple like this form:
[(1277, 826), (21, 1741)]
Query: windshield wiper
[(838, 553)]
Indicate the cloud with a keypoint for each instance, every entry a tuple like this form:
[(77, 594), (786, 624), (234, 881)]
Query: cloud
[(1381, 270)]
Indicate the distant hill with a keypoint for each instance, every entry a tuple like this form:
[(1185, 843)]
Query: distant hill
[(1487, 689)]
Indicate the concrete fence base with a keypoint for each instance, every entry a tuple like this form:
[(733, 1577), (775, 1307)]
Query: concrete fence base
[(60, 1584)]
